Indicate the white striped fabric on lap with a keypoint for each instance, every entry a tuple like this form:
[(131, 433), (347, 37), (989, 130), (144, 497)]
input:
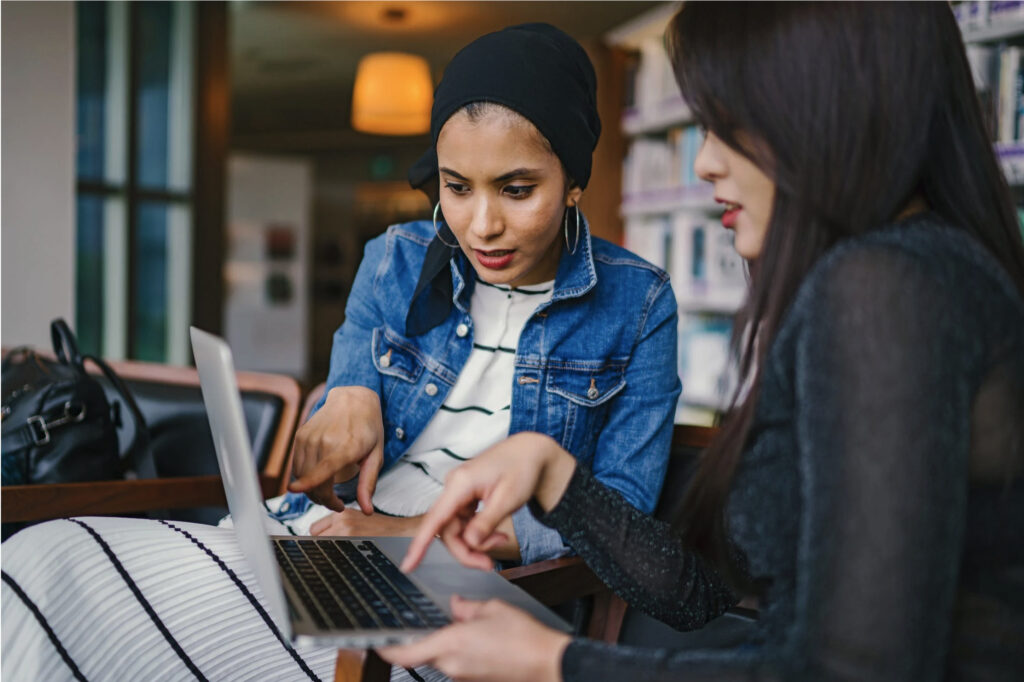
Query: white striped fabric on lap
[(132, 599)]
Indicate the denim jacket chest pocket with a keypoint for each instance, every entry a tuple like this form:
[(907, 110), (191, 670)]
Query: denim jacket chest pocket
[(579, 398), (413, 385), (398, 362)]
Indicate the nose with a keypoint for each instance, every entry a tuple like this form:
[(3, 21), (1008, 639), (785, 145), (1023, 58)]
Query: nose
[(710, 163), (487, 222)]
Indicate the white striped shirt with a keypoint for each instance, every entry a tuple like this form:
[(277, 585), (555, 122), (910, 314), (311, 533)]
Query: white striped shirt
[(476, 413)]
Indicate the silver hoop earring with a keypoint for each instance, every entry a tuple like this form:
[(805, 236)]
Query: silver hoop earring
[(438, 233), (576, 242)]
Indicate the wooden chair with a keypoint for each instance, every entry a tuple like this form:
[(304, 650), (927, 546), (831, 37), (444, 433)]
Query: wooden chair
[(171, 401), (557, 581)]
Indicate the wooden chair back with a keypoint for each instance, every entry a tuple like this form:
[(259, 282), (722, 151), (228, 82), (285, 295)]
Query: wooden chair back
[(275, 424)]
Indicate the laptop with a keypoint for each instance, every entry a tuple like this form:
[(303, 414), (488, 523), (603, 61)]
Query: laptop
[(343, 592)]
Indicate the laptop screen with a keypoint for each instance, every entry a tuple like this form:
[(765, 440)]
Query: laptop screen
[(237, 467)]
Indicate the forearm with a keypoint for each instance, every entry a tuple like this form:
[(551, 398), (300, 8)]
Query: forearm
[(557, 467), (589, 661), (642, 559)]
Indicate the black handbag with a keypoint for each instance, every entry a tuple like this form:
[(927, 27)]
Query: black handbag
[(57, 423)]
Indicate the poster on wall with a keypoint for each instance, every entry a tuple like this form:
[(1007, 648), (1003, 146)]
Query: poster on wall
[(266, 307)]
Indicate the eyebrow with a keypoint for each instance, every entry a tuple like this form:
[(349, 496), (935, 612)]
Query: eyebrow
[(518, 172)]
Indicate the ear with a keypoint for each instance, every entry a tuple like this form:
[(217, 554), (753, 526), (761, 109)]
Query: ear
[(573, 196)]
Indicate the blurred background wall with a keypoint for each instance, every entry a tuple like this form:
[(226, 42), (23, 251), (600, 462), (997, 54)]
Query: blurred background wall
[(38, 161)]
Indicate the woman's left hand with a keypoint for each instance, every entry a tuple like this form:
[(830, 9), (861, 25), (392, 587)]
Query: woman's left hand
[(354, 523), (489, 641)]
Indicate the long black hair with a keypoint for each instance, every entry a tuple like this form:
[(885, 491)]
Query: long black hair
[(855, 108)]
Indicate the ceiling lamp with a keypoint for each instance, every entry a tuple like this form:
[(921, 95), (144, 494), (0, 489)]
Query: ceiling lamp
[(392, 95)]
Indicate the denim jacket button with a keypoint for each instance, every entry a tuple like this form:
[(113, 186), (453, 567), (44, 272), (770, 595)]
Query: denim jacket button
[(593, 393), (385, 361), (461, 330), (400, 433), (430, 389)]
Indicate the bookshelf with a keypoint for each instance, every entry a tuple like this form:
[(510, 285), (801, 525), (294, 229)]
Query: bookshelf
[(670, 215), (672, 220), (993, 33)]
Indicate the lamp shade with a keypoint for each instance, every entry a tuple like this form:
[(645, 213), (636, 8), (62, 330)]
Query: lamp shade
[(392, 95)]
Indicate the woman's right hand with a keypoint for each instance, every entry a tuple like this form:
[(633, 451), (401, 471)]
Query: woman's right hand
[(503, 478), (344, 438)]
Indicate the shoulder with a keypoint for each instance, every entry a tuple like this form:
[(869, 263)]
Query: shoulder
[(417, 233), (920, 271), (628, 285), (400, 248), (923, 254), (618, 263)]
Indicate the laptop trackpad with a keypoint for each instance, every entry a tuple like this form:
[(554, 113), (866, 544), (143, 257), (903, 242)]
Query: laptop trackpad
[(441, 576)]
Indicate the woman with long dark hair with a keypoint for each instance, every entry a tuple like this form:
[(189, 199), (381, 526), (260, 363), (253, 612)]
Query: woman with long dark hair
[(867, 485)]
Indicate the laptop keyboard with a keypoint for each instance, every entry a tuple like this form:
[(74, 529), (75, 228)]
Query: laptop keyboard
[(347, 585)]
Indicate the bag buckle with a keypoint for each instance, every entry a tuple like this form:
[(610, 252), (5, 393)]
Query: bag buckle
[(37, 427), (40, 429)]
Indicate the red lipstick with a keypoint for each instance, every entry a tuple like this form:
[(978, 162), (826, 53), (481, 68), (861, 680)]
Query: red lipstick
[(494, 260), (732, 212)]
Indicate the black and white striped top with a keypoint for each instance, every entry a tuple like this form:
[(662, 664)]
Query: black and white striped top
[(476, 413)]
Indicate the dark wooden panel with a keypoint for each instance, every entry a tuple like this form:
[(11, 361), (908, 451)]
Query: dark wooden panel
[(212, 122), (58, 500)]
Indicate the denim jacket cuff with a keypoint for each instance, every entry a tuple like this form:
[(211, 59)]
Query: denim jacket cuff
[(536, 541)]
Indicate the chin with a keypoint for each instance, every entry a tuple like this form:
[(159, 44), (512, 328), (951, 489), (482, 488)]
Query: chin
[(748, 245), (495, 277)]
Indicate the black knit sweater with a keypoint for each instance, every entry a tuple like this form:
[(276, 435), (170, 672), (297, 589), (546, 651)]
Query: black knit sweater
[(881, 498)]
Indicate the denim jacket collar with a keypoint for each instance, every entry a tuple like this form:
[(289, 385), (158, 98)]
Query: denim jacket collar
[(435, 292)]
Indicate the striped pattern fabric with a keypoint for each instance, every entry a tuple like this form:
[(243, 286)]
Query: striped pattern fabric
[(133, 599), (475, 414)]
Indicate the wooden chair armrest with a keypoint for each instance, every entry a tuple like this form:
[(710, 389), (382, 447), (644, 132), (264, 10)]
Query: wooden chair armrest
[(59, 500), (361, 666), (555, 580)]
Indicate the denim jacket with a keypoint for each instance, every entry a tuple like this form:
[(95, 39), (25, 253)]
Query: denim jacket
[(595, 367)]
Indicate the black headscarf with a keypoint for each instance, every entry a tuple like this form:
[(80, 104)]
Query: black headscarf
[(533, 69)]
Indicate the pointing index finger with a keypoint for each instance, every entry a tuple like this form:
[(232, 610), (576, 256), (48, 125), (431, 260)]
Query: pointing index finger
[(444, 510)]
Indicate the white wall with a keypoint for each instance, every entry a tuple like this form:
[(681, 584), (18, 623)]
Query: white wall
[(266, 192), (37, 218)]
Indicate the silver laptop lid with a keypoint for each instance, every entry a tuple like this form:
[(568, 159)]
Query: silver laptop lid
[(237, 467)]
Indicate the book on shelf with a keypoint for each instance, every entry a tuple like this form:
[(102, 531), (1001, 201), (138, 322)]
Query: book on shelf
[(707, 274), (662, 163), (1008, 109), (704, 366), (655, 82), (978, 15), (998, 73), (649, 237)]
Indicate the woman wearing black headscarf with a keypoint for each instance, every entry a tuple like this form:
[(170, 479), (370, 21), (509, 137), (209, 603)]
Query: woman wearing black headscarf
[(501, 314)]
